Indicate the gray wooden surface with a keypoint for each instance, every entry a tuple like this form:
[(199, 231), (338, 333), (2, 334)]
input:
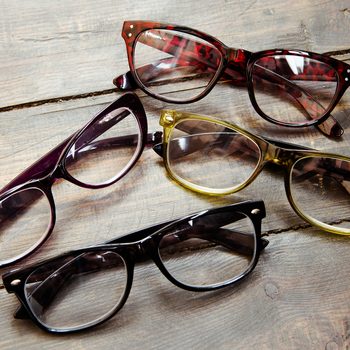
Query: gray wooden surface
[(57, 62)]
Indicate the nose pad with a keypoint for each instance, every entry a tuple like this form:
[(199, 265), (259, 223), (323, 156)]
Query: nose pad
[(158, 149)]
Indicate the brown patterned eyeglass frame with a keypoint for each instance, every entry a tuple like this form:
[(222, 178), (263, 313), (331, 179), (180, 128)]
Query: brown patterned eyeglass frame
[(238, 66)]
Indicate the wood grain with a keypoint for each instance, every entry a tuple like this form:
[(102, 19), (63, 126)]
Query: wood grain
[(297, 297)]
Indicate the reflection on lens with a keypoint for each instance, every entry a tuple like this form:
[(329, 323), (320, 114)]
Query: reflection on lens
[(77, 291), (106, 149), (293, 89), (176, 65), (209, 250), (320, 188), (25, 218), (211, 156)]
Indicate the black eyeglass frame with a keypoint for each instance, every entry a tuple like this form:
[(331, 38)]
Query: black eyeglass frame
[(132, 247)]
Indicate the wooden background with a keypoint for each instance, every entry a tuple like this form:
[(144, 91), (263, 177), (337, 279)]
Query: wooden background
[(57, 62)]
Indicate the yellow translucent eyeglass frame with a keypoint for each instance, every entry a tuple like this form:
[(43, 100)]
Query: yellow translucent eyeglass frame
[(284, 154)]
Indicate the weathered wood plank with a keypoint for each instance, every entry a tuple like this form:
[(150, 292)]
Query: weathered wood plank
[(50, 50), (297, 298)]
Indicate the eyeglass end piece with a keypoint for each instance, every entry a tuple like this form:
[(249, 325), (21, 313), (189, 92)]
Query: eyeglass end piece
[(265, 242), (331, 127), (158, 148), (125, 82)]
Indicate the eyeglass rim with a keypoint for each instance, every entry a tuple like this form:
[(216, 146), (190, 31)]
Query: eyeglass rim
[(141, 26), (315, 222), (37, 185), (178, 117), (132, 103), (15, 280), (298, 153)]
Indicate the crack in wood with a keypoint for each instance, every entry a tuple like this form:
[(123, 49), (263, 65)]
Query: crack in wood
[(56, 99), (337, 52), (300, 227)]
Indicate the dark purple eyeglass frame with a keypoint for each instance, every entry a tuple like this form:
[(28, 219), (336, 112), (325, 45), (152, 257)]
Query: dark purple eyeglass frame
[(236, 65), (51, 167)]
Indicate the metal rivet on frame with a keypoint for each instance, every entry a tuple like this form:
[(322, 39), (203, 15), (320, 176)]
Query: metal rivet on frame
[(15, 282), (131, 26), (255, 211), (169, 118), (129, 35), (346, 79), (348, 71)]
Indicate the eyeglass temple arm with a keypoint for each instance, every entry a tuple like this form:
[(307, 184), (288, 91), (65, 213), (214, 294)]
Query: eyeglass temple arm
[(127, 140), (223, 236), (185, 148), (239, 242), (39, 169), (235, 72), (328, 168), (192, 147)]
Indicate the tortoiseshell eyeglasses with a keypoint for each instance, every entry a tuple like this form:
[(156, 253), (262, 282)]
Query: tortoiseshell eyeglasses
[(177, 64), (204, 251), (214, 157), (96, 156)]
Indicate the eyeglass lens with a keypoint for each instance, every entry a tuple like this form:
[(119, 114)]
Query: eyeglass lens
[(105, 149), (293, 89), (174, 64), (25, 218), (320, 189), (210, 155), (207, 251), (77, 291)]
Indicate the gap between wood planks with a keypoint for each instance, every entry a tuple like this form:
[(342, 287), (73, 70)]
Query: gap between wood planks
[(110, 91)]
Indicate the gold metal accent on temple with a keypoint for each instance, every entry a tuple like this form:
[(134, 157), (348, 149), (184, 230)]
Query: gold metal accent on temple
[(168, 118)]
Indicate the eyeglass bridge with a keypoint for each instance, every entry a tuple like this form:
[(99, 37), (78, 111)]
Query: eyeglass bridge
[(279, 156)]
